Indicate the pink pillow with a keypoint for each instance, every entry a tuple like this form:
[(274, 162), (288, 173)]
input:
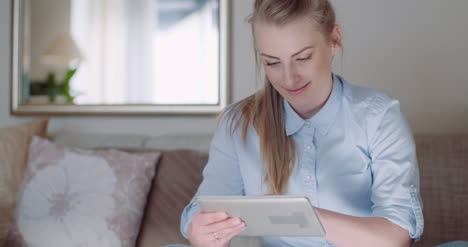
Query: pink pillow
[(73, 197)]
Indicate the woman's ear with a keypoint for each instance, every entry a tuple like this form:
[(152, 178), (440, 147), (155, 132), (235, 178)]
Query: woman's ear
[(336, 39)]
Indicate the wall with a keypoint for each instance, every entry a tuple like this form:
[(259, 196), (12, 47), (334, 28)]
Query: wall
[(415, 50)]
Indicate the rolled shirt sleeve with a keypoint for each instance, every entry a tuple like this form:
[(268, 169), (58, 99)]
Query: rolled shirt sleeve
[(395, 186), (221, 175)]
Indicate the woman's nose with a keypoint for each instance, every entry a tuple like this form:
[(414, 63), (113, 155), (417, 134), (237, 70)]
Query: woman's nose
[(291, 77)]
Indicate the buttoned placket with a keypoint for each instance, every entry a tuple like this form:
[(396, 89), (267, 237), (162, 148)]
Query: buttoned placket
[(308, 164)]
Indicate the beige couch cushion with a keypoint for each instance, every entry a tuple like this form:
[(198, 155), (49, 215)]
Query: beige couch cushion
[(91, 140), (14, 145), (197, 142), (443, 165)]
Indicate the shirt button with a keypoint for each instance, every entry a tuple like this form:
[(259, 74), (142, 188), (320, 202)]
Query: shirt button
[(308, 177), (309, 147)]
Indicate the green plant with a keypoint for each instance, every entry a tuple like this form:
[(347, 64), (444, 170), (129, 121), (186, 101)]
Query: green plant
[(55, 89)]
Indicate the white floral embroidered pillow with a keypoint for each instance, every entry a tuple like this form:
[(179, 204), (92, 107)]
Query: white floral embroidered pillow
[(73, 197)]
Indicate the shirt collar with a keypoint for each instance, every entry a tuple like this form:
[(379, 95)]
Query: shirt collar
[(323, 119)]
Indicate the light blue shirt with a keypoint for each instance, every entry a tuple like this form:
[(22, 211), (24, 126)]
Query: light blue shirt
[(356, 156)]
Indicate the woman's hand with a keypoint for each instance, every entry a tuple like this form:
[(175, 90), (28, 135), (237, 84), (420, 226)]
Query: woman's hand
[(214, 229)]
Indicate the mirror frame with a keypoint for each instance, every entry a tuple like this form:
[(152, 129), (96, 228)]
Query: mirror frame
[(19, 108)]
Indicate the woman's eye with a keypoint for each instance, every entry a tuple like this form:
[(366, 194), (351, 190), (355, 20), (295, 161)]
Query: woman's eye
[(272, 63), (303, 58)]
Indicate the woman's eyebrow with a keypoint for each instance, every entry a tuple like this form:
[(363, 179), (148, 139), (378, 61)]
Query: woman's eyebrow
[(296, 53)]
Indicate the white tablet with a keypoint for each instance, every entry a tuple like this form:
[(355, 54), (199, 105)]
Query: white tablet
[(268, 215)]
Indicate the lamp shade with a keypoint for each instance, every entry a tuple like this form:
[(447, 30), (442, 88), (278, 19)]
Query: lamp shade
[(63, 51)]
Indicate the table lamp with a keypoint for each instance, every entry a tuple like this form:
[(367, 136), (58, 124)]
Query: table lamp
[(63, 53)]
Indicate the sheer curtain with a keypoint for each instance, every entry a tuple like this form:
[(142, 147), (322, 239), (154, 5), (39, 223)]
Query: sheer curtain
[(116, 38), (186, 58)]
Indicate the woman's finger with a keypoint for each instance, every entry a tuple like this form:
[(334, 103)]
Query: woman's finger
[(225, 224), (203, 219), (226, 235)]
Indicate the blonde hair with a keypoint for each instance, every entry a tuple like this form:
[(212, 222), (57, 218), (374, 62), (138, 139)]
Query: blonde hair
[(264, 109)]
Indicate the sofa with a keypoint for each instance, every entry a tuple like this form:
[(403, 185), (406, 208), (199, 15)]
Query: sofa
[(443, 164)]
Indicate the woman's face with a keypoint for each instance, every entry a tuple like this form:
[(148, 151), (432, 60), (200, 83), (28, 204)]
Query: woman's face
[(297, 60)]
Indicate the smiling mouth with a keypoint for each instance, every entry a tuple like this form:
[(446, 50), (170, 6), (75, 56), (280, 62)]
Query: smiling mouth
[(298, 89)]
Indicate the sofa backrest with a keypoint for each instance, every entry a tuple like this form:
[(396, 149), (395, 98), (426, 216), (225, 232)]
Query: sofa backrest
[(443, 167), (198, 142)]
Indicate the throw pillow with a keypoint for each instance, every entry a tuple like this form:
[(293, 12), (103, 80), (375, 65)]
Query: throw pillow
[(75, 197), (179, 173), (14, 145)]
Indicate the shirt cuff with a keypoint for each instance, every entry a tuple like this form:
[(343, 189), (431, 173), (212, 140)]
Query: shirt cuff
[(191, 210)]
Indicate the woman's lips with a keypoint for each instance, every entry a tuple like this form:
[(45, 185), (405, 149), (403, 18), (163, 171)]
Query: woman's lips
[(299, 90)]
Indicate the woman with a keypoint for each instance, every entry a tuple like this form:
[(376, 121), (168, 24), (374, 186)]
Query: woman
[(309, 132)]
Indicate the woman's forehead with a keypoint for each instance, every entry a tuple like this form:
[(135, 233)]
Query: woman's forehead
[(287, 38)]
